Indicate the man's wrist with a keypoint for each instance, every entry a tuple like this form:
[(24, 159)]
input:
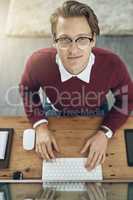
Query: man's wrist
[(42, 121), (106, 131), (42, 126), (103, 134)]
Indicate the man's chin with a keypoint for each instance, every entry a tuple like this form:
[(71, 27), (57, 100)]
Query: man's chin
[(74, 62), (72, 68)]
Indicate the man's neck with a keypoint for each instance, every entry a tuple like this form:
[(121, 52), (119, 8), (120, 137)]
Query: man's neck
[(75, 71)]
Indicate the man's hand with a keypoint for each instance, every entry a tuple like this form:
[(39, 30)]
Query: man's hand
[(96, 145), (45, 142), (95, 191), (47, 194)]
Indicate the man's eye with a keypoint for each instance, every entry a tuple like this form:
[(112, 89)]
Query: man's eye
[(82, 38), (65, 40)]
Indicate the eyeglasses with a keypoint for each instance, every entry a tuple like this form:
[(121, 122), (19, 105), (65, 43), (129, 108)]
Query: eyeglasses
[(66, 42)]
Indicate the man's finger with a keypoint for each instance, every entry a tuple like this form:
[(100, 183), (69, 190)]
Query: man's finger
[(90, 157), (85, 148), (91, 163), (91, 191), (50, 150), (53, 195), (99, 159), (44, 152), (103, 191), (99, 191), (55, 145), (50, 195), (103, 158), (37, 151)]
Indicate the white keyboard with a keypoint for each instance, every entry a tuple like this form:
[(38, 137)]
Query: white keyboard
[(65, 186), (69, 169), (3, 143)]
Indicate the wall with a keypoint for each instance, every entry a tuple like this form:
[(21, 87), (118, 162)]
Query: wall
[(14, 52)]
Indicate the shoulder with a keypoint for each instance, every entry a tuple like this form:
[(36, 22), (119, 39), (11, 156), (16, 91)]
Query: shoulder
[(42, 55), (105, 53), (40, 64), (41, 61), (109, 58)]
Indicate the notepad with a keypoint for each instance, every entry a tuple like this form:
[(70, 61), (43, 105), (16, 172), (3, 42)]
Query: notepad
[(3, 143), (2, 196), (6, 135)]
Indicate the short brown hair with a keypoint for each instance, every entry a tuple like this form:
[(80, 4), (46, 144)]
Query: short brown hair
[(75, 9)]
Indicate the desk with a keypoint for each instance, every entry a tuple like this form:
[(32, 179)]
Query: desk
[(71, 134), (21, 191)]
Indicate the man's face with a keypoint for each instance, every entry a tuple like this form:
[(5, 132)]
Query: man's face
[(73, 58)]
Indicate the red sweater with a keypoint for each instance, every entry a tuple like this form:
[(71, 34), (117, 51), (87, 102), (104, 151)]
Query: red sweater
[(108, 73)]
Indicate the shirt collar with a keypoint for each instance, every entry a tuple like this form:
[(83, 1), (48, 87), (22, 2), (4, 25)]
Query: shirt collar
[(84, 75)]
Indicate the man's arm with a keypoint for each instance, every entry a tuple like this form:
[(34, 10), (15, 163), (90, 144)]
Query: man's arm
[(122, 89), (29, 90)]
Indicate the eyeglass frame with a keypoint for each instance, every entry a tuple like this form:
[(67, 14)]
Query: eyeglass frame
[(75, 39)]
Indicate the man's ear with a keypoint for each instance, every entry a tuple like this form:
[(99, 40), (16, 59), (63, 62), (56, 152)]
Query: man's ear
[(93, 44), (54, 45)]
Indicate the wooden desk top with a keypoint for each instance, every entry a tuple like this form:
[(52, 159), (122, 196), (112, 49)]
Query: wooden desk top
[(71, 134)]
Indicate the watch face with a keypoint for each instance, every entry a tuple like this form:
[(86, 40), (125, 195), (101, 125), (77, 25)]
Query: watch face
[(109, 134), (104, 130)]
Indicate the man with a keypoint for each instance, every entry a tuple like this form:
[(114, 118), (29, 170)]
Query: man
[(76, 77)]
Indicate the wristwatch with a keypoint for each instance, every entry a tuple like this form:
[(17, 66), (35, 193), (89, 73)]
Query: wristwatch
[(106, 131)]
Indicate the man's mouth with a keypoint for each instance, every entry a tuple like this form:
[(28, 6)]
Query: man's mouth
[(74, 57)]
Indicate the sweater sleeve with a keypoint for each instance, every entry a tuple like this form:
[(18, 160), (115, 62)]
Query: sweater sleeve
[(122, 89), (29, 90)]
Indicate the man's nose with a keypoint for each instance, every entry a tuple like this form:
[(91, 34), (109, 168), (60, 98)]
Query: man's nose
[(73, 47)]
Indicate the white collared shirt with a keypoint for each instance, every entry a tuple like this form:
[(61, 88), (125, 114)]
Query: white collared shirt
[(84, 75)]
